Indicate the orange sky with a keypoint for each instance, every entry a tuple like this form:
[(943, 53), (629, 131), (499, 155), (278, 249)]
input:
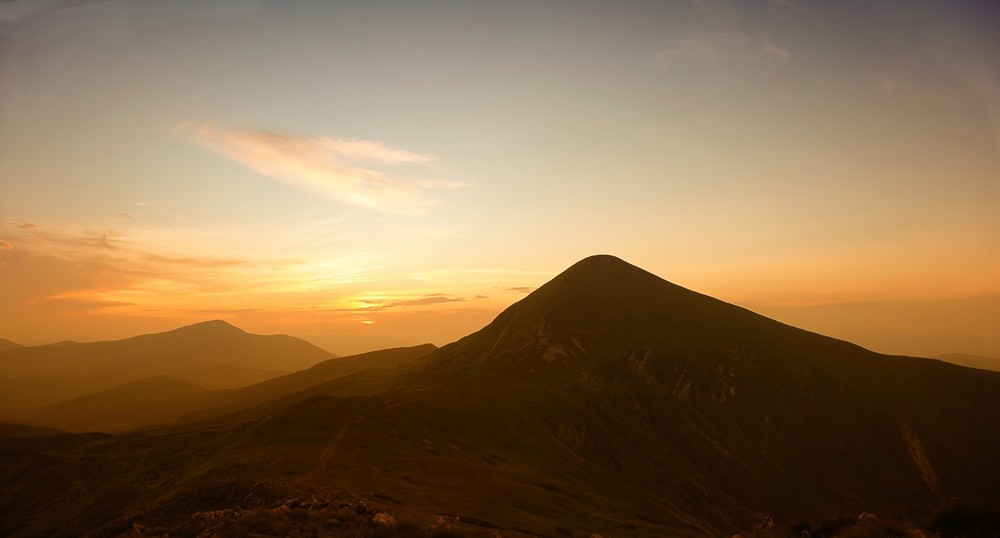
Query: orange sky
[(398, 173)]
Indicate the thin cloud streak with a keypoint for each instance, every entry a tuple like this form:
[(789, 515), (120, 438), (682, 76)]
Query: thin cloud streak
[(723, 49), (788, 3), (335, 167), (721, 41), (521, 289), (380, 305), (426, 301)]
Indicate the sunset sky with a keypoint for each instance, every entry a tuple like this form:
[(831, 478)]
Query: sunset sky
[(373, 173)]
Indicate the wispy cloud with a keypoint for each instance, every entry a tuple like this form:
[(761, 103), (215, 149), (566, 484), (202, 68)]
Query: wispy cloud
[(116, 269), (339, 168), (770, 51), (720, 40), (521, 289), (787, 3), (380, 304), (426, 301), (722, 49), (196, 262)]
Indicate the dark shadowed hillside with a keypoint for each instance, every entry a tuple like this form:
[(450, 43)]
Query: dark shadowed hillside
[(608, 401), (17, 431), (125, 407)]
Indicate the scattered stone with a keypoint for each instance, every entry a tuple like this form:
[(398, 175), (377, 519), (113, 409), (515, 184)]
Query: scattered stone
[(383, 518), (766, 523), (866, 518)]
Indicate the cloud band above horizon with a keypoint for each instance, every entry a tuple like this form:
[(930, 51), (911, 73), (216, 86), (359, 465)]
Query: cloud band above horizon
[(339, 168)]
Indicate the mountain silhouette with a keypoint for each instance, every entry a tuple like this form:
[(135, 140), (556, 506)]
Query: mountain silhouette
[(7, 344), (607, 401), (971, 361), (679, 393), (44, 375), (603, 306)]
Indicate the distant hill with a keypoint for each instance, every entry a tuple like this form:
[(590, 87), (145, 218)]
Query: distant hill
[(160, 400), (925, 344), (971, 361), (7, 344), (608, 401), (44, 375)]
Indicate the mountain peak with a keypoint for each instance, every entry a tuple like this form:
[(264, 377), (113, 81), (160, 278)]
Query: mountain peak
[(215, 326), (603, 265), (604, 269), (601, 282), (601, 260), (602, 309)]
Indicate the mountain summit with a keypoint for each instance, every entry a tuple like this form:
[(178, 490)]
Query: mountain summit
[(603, 310), (214, 327)]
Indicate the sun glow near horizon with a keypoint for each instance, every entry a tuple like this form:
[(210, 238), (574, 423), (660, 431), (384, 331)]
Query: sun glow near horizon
[(293, 167)]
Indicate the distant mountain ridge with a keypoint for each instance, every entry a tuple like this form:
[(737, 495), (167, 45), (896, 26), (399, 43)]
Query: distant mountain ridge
[(971, 361), (42, 375), (608, 401), (7, 344)]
